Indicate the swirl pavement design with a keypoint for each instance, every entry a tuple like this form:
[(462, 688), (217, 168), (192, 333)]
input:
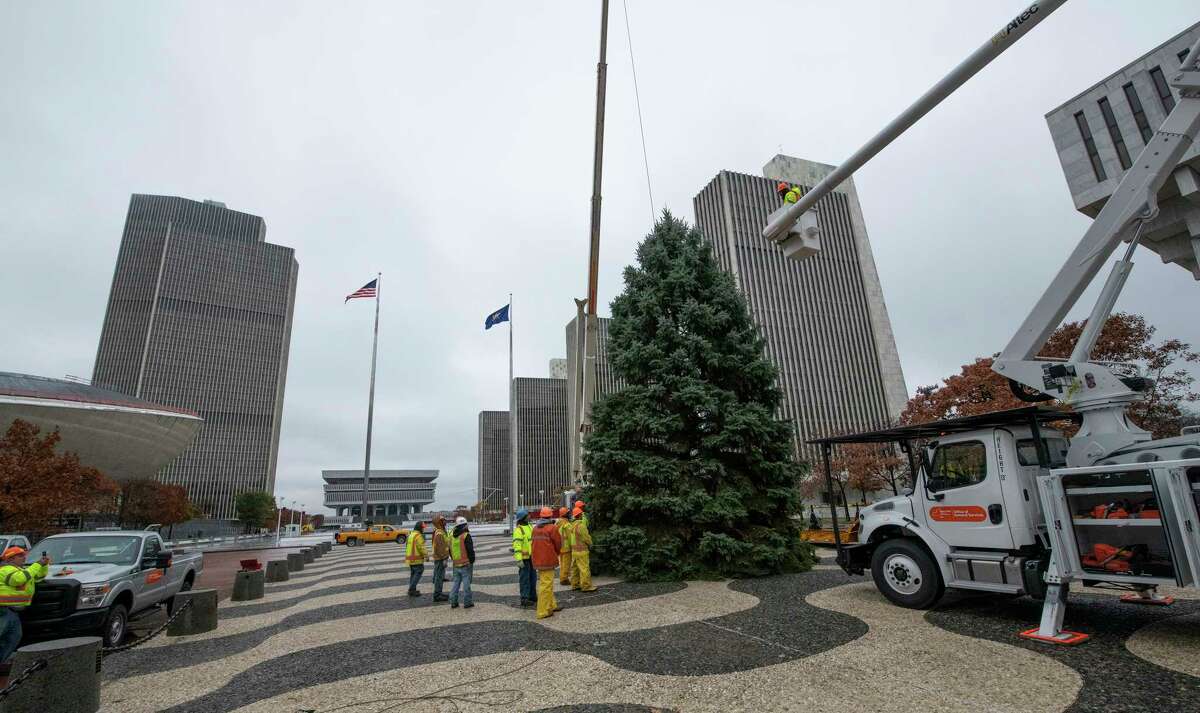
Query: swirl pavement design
[(342, 636)]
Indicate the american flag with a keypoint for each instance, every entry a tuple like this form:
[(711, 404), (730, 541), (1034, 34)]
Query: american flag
[(367, 290)]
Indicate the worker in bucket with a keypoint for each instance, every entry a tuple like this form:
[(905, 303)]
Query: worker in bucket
[(581, 545), (17, 583), (564, 550), (521, 546), (546, 543), (462, 555), (414, 557), (788, 193)]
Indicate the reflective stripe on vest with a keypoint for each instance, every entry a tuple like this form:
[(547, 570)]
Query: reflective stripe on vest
[(410, 551), (458, 551)]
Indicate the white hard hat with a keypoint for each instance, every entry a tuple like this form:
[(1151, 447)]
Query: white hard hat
[(460, 520)]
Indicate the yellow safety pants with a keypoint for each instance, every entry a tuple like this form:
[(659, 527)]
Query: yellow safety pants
[(564, 567), (546, 606), (581, 571)]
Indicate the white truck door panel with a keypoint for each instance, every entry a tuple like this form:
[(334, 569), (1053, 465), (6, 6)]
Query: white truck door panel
[(965, 503)]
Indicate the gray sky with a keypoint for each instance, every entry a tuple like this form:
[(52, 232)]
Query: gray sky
[(449, 146)]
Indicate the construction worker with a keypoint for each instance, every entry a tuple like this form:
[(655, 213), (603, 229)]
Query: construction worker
[(521, 548), (414, 557), (462, 554), (581, 545), (441, 555), (788, 193), (546, 543), (564, 551), (17, 583)]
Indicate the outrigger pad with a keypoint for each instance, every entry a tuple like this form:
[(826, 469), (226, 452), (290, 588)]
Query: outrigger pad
[(1156, 601), (1064, 638)]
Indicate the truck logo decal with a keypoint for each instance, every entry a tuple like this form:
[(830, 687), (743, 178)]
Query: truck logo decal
[(958, 513), (1014, 24), (154, 576)]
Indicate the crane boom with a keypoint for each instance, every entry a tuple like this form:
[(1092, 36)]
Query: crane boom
[(1016, 28)]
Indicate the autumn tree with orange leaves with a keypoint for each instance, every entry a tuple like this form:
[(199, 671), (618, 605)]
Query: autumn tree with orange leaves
[(1126, 338), (144, 502), (39, 484)]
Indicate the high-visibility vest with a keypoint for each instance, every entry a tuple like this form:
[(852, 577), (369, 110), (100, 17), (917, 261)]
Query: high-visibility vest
[(458, 551), (522, 542), (17, 583), (414, 549), (564, 529), (439, 544), (581, 539)]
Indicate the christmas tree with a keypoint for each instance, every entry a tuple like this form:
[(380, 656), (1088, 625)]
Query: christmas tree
[(690, 473)]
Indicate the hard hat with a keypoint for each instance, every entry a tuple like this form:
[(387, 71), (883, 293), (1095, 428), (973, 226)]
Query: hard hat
[(12, 552), (781, 187), (546, 512), (522, 513), (460, 520), (562, 512), (579, 504)]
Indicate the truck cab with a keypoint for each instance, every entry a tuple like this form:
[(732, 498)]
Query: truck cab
[(973, 518)]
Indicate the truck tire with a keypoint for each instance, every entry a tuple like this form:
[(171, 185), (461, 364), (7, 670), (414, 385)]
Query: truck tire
[(352, 542), (188, 582), (400, 539), (906, 574), (116, 625)]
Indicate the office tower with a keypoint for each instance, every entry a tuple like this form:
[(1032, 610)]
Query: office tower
[(495, 460), (200, 317), (541, 439), (824, 319)]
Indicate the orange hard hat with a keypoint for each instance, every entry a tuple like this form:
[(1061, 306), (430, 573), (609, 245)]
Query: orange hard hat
[(579, 504), (12, 552), (562, 512), (781, 187), (546, 512)]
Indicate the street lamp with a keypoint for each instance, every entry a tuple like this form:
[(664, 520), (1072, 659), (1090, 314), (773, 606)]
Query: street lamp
[(278, 519), (506, 509), (542, 498), (302, 506)]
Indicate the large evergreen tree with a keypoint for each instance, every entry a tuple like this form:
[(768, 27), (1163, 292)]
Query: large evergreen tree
[(691, 475)]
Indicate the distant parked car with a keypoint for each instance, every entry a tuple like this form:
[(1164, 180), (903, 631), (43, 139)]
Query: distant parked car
[(7, 541), (375, 533)]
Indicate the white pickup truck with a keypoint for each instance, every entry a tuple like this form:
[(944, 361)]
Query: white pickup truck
[(99, 580)]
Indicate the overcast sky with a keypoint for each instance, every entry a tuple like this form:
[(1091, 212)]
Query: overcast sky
[(449, 146)]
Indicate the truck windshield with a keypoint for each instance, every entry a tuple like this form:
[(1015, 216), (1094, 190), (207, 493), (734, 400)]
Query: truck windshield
[(1056, 447), (90, 549)]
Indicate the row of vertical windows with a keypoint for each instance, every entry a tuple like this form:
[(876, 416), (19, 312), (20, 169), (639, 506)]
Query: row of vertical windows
[(1164, 92), (1139, 114), (1090, 144)]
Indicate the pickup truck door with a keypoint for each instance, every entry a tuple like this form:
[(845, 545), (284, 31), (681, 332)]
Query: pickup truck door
[(151, 582), (963, 498)]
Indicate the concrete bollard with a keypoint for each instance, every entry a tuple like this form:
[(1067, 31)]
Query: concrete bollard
[(277, 571), (70, 683), (308, 555), (248, 585), (295, 562), (200, 617), (316, 551), (328, 546)]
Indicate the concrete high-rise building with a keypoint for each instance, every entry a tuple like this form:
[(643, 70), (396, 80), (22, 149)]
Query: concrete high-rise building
[(1099, 133), (200, 317), (541, 438), (495, 459), (824, 319), (606, 383), (395, 495), (558, 368)]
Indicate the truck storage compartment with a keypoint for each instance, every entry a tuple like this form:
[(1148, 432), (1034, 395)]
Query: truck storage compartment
[(1118, 524)]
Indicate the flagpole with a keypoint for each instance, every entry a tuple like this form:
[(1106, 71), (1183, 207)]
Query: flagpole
[(371, 399), (512, 411)]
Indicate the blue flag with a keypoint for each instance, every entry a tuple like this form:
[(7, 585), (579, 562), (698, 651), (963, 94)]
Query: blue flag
[(500, 315)]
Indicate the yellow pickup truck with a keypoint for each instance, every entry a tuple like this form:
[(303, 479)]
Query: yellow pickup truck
[(375, 533)]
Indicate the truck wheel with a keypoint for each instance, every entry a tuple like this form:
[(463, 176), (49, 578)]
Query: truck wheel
[(906, 574), (400, 539), (352, 542), (115, 625)]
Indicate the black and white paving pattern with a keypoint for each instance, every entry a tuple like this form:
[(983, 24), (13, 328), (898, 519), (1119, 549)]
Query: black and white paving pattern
[(342, 636)]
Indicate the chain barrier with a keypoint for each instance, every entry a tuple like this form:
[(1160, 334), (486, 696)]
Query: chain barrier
[(151, 635), (25, 676)]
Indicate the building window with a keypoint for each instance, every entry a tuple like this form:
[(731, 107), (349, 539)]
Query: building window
[(1164, 91), (1182, 56), (1139, 115), (1114, 132), (1090, 144)]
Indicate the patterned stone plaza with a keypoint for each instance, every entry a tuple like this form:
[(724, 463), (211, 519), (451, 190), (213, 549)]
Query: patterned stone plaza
[(341, 636)]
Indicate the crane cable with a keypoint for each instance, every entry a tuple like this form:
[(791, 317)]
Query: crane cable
[(638, 99)]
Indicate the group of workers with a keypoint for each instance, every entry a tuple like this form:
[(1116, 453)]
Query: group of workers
[(17, 582), (548, 544), (457, 548)]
